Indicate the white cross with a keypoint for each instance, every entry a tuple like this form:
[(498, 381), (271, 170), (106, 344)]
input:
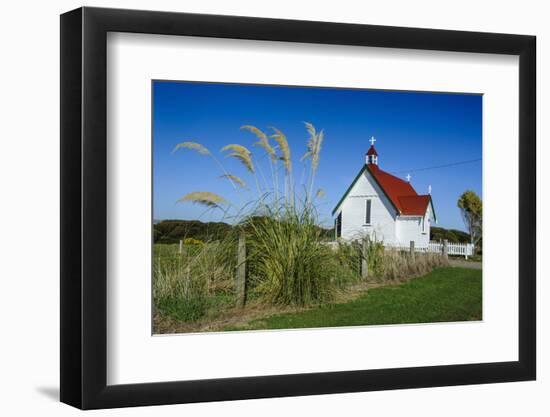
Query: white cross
[(429, 189), (372, 140), (408, 177)]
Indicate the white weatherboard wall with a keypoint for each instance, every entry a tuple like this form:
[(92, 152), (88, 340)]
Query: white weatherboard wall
[(407, 229), (354, 211)]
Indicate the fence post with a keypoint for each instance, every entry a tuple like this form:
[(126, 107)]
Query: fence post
[(412, 250), (181, 246), (364, 258), (446, 249), (240, 276)]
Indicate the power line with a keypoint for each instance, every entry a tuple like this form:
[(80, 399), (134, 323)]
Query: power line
[(438, 166)]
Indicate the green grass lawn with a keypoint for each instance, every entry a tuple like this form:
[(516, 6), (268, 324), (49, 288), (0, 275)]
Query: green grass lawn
[(446, 294)]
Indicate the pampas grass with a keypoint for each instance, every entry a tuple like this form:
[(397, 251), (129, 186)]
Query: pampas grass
[(281, 140), (193, 146), (241, 153), (313, 151), (281, 153), (263, 141), (205, 198), (317, 150), (203, 150), (235, 179), (289, 264), (313, 145)]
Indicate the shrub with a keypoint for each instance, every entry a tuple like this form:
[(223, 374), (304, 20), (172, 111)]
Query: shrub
[(192, 241), (288, 262), (452, 235)]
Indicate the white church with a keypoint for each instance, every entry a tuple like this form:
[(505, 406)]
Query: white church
[(384, 207)]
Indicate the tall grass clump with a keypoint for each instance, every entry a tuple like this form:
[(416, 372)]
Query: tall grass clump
[(348, 256), (184, 283), (289, 264), (286, 260), (375, 256)]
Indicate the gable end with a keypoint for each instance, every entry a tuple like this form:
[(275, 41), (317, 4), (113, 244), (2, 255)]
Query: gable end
[(355, 181)]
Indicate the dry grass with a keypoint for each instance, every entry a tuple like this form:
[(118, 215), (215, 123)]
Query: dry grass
[(263, 141), (205, 198), (236, 317), (186, 284), (194, 290), (193, 146), (234, 179), (240, 153), (398, 265), (280, 138), (239, 317)]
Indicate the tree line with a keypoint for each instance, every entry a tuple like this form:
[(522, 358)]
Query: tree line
[(172, 231)]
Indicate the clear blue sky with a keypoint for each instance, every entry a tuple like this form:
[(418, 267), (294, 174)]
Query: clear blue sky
[(413, 130)]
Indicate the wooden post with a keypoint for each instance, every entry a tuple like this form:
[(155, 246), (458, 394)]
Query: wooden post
[(445, 249), (181, 247), (240, 276), (364, 259), (412, 250), (187, 282)]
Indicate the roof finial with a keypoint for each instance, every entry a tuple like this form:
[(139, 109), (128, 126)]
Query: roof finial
[(429, 189), (408, 177), (372, 140)]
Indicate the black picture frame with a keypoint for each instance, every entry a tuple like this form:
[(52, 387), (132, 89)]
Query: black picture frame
[(84, 207)]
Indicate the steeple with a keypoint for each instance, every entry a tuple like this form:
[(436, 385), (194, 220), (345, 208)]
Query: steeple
[(372, 156)]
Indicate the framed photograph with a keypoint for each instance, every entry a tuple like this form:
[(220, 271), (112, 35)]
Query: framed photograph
[(256, 208)]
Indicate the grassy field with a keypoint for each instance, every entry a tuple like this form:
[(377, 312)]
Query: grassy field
[(194, 292), (444, 295)]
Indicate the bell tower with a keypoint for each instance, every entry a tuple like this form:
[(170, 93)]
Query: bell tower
[(371, 158)]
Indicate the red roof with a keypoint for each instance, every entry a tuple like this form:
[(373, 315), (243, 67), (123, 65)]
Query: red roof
[(401, 193), (414, 205), (372, 151)]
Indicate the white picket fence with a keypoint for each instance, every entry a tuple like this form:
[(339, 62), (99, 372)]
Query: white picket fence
[(460, 249)]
